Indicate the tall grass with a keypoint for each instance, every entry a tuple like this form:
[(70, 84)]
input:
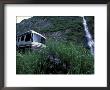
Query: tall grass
[(78, 59)]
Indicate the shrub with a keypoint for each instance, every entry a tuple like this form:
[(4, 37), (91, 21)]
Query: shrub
[(78, 60)]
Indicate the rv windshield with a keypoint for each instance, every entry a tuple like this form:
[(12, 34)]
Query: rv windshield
[(38, 38)]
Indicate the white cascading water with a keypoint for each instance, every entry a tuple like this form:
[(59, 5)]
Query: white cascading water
[(88, 36)]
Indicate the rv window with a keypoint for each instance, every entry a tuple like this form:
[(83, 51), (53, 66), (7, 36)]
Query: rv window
[(22, 38), (18, 39), (42, 40), (28, 37)]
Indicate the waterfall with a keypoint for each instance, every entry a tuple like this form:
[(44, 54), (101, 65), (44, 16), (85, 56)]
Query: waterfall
[(90, 41)]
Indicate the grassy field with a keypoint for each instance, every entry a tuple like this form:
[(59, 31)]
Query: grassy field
[(70, 58)]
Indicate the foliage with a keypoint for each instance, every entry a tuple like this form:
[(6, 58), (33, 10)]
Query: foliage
[(79, 59)]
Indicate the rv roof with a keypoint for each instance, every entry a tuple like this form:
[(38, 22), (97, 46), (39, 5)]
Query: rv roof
[(32, 32)]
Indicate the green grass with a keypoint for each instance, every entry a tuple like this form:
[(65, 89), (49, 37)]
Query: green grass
[(78, 59)]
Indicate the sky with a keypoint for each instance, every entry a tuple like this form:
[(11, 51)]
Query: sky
[(20, 18)]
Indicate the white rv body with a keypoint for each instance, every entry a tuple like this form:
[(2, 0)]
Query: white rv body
[(30, 39)]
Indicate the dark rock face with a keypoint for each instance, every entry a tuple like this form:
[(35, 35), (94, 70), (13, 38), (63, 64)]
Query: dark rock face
[(33, 24), (58, 26)]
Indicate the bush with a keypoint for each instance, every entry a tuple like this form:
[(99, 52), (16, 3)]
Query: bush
[(77, 59)]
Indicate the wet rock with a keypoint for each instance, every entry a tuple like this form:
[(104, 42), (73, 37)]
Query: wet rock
[(54, 59), (57, 66)]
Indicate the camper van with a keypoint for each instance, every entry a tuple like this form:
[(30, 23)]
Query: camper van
[(30, 39)]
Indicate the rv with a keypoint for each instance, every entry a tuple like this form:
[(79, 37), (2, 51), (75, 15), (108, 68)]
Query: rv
[(31, 40)]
